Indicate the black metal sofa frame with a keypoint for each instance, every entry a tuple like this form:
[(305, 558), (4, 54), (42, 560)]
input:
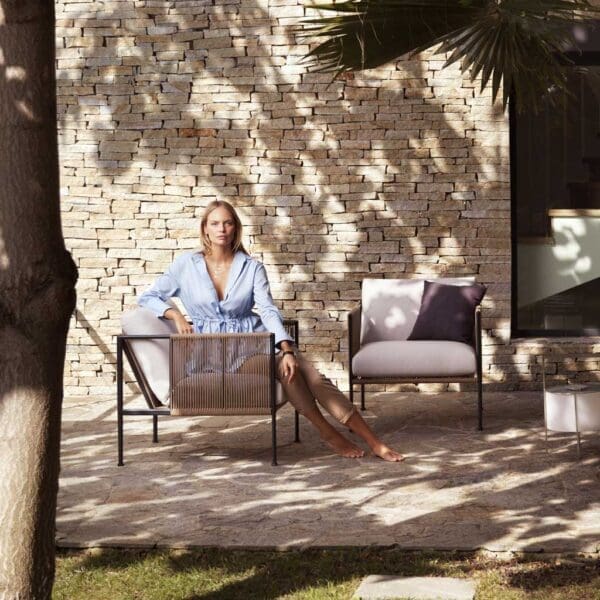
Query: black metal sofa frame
[(354, 323), (157, 409)]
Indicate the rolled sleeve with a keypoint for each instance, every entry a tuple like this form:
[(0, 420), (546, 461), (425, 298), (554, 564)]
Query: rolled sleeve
[(269, 315)]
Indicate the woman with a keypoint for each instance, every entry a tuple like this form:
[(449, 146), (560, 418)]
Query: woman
[(219, 288)]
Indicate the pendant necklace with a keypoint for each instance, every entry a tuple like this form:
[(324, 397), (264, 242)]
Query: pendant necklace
[(217, 270)]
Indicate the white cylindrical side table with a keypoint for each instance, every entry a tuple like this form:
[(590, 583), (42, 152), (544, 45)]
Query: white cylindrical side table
[(572, 408)]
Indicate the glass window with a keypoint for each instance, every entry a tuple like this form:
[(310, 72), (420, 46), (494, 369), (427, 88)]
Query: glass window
[(555, 159)]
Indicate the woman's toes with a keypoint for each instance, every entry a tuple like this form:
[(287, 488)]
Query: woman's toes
[(358, 453), (340, 445), (387, 454)]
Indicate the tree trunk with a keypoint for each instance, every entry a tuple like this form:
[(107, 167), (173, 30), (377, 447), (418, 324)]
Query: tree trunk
[(37, 297)]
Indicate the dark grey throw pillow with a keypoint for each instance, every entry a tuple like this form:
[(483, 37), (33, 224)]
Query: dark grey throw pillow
[(447, 312)]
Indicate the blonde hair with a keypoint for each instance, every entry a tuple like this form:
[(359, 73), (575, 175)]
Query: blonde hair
[(237, 240)]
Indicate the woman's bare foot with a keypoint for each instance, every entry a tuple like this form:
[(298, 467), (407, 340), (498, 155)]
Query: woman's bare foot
[(340, 445), (386, 453)]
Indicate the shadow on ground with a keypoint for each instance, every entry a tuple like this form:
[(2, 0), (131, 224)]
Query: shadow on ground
[(209, 481), (222, 574)]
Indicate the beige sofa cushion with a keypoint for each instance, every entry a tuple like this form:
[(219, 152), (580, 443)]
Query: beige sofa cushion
[(152, 355), (414, 358), (390, 306)]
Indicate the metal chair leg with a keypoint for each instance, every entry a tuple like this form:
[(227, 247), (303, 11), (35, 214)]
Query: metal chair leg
[(119, 402), (480, 404), (577, 426), (362, 396), (479, 368), (274, 437), (155, 429)]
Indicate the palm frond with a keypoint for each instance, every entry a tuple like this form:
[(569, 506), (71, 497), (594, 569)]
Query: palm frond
[(368, 33), (515, 44)]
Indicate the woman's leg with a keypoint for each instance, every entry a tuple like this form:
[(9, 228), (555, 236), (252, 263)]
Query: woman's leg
[(338, 405), (357, 424), (304, 402)]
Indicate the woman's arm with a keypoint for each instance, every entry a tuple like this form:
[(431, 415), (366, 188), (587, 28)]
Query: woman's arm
[(268, 312), (156, 296), (181, 322), (269, 315), (286, 346)]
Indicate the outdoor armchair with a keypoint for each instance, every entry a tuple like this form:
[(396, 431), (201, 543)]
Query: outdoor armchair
[(379, 329), (198, 374)]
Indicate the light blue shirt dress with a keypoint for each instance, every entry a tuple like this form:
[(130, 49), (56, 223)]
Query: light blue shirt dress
[(247, 288)]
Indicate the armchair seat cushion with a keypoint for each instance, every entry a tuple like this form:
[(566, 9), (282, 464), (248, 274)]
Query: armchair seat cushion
[(415, 358)]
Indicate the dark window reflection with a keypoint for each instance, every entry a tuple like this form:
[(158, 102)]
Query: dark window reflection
[(557, 212)]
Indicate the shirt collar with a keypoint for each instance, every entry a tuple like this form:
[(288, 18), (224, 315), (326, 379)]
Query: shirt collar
[(239, 260)]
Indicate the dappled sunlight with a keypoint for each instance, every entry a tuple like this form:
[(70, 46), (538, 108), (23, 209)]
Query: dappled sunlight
[(4, 258), (209, 481), (351, 196), (394, 318), (571, 260), (571, 234), (14, 73)]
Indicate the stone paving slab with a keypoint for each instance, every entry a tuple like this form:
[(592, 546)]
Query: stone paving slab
[(209, 481), (390, 587)]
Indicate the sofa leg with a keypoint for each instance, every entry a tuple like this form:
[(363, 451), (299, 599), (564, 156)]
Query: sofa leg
[(362, 396), (119, 402), (479, 405), (120, 439), (274, 438), (296, 427), (479, 368), (155, 429)]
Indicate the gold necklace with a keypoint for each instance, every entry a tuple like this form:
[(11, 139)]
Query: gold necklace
[(218, 270)]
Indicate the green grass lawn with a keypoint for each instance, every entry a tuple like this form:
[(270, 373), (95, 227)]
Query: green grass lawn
[(213, 574)]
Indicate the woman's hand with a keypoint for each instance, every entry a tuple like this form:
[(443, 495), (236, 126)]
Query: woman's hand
[(181, 322), (183, 326), (288, 366)]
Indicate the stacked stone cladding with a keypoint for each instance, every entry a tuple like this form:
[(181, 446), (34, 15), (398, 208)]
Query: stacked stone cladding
[(400, 171)]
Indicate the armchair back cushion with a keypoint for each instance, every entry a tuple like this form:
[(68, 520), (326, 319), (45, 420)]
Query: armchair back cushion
[(152, 355), (390, 307)]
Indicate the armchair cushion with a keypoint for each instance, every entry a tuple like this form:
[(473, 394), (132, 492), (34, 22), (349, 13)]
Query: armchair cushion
[(408, 359), (151, 355), (447, 312)]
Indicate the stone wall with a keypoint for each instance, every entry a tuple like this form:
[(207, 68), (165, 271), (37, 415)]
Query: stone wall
[(399, 171)]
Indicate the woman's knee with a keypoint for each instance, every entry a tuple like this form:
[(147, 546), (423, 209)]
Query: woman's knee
[(313, 377), (299, 395), (341, 410)]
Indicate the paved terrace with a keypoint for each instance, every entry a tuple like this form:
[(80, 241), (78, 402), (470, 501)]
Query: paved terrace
[(209, 481)]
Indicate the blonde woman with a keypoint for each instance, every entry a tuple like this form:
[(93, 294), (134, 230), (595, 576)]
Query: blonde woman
[(219, 287)]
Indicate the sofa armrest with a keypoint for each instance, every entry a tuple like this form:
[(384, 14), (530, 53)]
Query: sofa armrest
[(477, 329), (477, 333), (354, 322)]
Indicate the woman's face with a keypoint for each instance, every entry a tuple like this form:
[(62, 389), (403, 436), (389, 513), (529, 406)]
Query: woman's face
[(220, 228)]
